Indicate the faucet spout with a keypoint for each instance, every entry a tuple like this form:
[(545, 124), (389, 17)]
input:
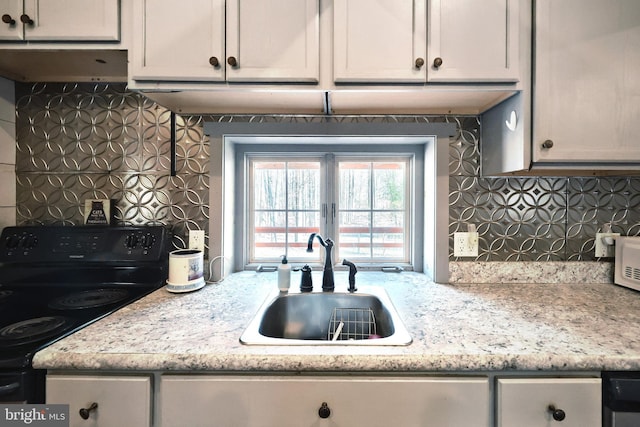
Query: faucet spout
[(328, 283), (310, 242)]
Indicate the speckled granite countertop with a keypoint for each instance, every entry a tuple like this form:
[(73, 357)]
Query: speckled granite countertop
[(458, 327)]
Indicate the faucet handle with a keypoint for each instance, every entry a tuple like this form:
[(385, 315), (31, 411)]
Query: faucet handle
[(306, 283)]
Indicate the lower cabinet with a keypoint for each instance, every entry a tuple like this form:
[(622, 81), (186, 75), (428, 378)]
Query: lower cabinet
[(103, 401), (323, 401), (181, 400), (544, 402)]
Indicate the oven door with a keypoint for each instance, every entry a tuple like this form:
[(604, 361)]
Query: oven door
[(22, 386)]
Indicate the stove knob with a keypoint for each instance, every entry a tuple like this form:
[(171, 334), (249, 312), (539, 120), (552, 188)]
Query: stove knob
[(131, 241), (12, 242), (29, 241), (147, 241)]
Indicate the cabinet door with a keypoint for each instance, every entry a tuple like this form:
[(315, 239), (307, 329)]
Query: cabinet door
[(11, 30), (587, 86), (346, 402), (275, 40), (178, 41), (525, 402), (379, 41), (121, 400), (473, 41), (73, 20)]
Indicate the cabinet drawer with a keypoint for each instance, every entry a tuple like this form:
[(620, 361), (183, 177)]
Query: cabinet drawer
[(351, 401), (524, 402), (122, 400)]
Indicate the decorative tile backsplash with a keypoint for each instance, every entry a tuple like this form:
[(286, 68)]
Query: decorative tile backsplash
[(81, 141), (94, 141)]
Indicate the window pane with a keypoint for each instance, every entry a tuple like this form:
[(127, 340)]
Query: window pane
[(304, 185), (269, 180), (388, 235), (269, 236), (388, 191), (286, 209), (355, 185), (373, 210), (301, 225), (355, 235)]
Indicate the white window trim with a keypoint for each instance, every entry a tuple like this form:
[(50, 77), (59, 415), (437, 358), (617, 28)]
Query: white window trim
[(275, 146)]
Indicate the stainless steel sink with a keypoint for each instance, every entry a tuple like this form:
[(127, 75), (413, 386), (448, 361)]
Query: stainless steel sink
[(366, 317)]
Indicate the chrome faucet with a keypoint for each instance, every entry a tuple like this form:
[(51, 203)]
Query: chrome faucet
[(327, 274)]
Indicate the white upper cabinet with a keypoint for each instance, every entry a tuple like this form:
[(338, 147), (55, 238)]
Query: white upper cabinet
[(473, 41), (257, 41), (60, 20), (188, 46), (587, 82), (379, 41), (275, 40), (402, 42)]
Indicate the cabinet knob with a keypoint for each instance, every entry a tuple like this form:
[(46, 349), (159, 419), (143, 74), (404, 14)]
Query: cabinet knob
[(556, 413), (85, 412), (7, 19), (437, 63), (232, 61), (547, 144), (214, 61), (419, 62), (324, 410), (25, 19)]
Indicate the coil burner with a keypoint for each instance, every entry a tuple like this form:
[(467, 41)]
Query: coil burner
[(32, 330), (89, 299)]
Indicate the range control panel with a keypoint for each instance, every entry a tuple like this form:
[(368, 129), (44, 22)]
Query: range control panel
[(84, 243)]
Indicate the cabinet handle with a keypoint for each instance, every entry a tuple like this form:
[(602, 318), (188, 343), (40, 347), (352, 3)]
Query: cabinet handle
[(556, 413), (324, 410), (25, 19), (85, 412), (437, 63), (7, 19), (419, 62), (232, 61), (547, 144), (214, 61)]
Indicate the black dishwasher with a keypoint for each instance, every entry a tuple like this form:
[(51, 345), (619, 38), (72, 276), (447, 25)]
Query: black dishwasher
[(621, 399)]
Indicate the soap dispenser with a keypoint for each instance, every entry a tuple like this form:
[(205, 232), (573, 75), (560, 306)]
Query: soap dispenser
[(284, 275)]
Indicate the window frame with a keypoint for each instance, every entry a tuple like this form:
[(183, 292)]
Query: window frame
[(332, 147)]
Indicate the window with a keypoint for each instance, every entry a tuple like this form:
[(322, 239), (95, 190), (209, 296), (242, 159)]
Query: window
[(363, 203), (372, 209), (284, 206)]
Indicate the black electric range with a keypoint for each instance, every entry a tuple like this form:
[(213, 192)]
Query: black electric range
[(55, 280)]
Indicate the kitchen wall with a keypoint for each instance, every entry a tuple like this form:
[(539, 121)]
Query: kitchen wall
[(7, 154), (79, 141)]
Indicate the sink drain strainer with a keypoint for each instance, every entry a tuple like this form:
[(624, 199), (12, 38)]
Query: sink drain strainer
[(351, 324)]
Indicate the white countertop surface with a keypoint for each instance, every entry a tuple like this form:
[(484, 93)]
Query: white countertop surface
[(461, 327)]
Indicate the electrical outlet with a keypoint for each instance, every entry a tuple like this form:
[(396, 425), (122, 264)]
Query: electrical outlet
[(603, 250), (465, 244), (196, 239)]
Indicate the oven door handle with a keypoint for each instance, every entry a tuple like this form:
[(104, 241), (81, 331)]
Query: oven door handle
[(8, 388)]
